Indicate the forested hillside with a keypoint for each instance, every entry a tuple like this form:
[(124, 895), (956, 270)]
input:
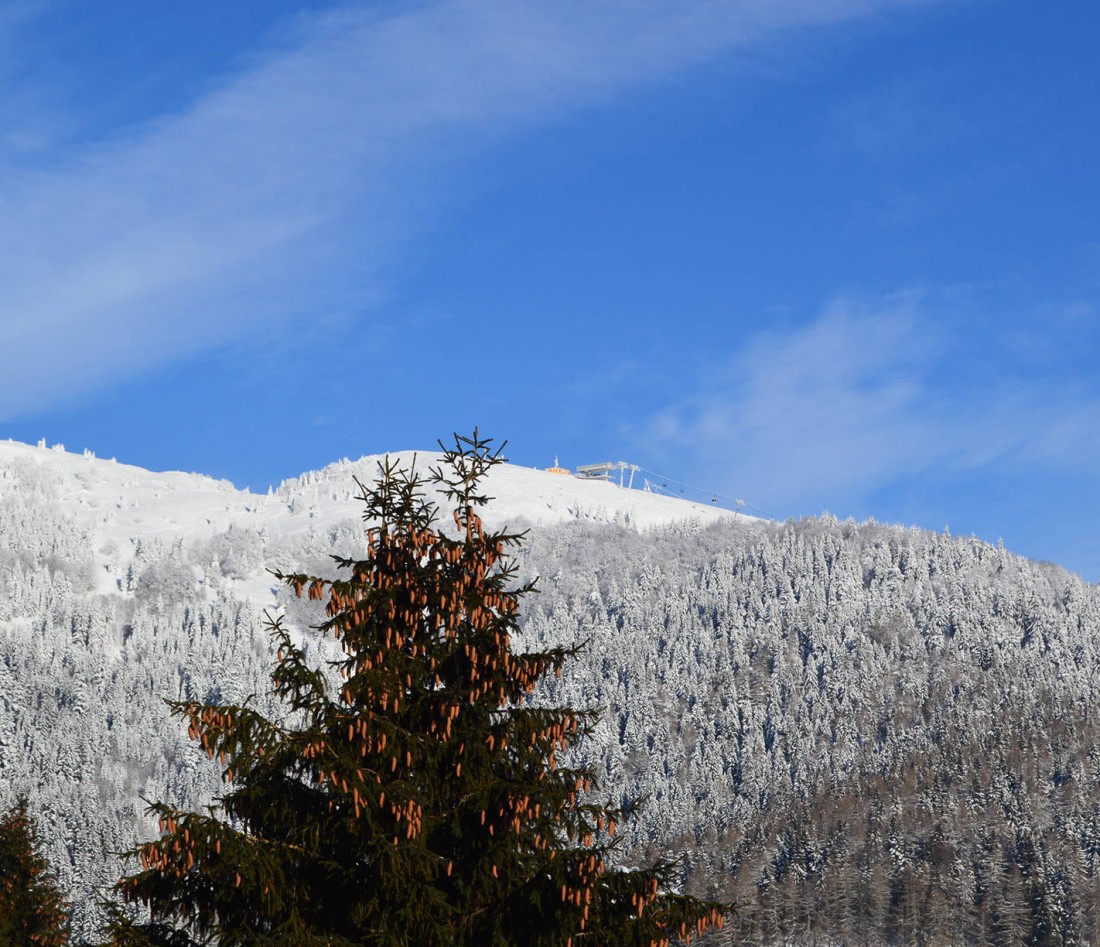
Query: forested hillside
[(862, 734)]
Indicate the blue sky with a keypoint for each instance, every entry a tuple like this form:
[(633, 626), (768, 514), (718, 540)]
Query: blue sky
[(829, 255)]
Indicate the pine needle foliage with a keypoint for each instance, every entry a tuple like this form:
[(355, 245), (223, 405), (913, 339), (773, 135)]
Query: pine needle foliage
[(420, 802), (32, 912)]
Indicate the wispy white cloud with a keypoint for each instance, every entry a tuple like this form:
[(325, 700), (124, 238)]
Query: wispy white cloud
[(870, 394), (287, 189)]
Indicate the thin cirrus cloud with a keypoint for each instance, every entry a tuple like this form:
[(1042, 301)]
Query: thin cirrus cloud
[(200, 226), (867, 395)]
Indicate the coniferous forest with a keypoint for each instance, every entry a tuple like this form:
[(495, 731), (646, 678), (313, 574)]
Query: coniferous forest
[(857, 733)]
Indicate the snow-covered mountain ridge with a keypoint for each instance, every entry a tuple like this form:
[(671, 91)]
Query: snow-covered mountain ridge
[(119, 505), (844, 727)]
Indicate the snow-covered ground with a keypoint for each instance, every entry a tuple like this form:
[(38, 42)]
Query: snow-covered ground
[(119, 505)]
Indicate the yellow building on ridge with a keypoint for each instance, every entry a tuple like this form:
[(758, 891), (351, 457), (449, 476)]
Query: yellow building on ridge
[(563, 471)]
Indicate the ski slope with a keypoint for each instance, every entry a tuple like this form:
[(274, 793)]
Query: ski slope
[(118, 505)]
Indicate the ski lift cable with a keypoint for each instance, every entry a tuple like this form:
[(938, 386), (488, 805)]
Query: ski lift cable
[(713, 493)]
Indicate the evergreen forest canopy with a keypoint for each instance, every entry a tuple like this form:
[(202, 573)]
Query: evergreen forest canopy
[(861, 734)]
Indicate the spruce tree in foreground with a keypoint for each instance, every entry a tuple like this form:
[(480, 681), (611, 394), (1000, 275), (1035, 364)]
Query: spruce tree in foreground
[(422, 803), (32, 913)]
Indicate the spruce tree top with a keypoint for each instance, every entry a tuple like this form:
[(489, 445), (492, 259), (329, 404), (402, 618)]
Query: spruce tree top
[(420, 800)]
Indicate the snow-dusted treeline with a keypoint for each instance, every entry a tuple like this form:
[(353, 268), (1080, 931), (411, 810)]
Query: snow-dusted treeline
[(863, 734)]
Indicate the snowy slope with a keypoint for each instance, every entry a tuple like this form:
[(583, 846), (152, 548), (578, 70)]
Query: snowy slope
[(119, 505)]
